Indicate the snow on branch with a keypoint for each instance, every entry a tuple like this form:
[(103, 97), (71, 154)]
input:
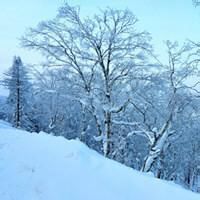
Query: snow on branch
[(147, 134), (125, 123)]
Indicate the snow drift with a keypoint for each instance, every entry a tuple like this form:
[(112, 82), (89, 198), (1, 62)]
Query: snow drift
[(44, 167)]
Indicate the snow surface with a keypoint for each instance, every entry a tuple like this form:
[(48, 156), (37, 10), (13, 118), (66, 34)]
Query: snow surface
[(44, 167)]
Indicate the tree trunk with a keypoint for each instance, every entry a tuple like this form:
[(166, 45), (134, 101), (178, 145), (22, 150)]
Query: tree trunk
[(107, 141), (157, 146), (150, 159), (17, 112), (107, 144)]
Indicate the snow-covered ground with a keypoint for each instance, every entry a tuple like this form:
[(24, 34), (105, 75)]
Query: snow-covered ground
[(44, 167)]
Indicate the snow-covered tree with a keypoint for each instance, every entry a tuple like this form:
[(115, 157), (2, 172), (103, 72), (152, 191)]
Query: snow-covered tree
[(19, 100), (101, 53), (165, 98)]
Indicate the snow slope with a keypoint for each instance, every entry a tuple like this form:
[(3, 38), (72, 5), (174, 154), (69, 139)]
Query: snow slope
[(44, 167)]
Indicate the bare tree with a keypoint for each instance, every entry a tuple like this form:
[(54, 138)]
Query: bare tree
[(102, 51), (160, 113)]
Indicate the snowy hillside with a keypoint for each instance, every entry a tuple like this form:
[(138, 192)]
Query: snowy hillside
[(44, 167)]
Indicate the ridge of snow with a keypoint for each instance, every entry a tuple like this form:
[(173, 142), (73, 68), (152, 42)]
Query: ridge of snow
[(44, 167)]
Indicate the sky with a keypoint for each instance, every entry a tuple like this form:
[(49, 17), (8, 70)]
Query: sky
[(164, 19)]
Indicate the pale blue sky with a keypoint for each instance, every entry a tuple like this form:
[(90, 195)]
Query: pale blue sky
[(164, 19)]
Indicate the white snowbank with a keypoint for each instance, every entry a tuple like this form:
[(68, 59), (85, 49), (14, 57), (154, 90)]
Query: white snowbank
[(44, 167)]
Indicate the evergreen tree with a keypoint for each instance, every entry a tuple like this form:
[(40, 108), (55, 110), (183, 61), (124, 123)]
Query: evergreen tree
[(18, 101)]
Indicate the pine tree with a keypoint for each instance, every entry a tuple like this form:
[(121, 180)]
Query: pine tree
[(18, 83)]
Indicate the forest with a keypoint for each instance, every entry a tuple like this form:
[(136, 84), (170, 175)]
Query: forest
[(102, 82)]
